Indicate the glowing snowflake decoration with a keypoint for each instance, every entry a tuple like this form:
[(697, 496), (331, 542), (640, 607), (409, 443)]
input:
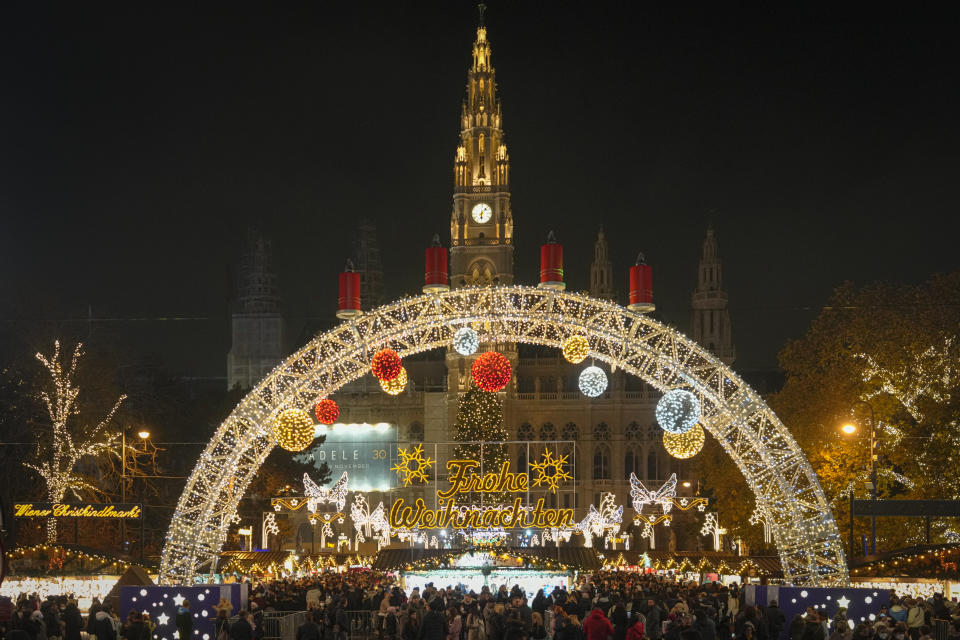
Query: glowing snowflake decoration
[(550, 471), (412, 465)]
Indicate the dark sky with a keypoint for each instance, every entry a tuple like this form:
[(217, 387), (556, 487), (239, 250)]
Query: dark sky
[(139, 141)]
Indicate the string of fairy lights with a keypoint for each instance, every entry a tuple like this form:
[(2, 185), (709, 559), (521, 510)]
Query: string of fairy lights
[(806, 534)]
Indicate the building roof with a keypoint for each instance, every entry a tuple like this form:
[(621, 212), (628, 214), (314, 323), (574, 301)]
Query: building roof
[(699, 561)]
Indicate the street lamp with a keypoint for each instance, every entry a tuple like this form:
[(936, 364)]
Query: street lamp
[(851, 429), (144, 436)]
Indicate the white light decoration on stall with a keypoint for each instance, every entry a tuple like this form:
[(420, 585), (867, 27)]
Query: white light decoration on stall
[(677, 411), (593, 382), (316, 495), (603, 521), (466, 341), (369, 523), (805, 533), (711, 527), (759, 516), (662, 497)]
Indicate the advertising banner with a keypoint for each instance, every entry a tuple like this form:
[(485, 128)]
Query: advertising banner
[(366, 452)]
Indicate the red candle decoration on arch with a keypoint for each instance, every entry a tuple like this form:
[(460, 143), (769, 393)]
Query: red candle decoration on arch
[(386, 365), (491, 371), (327, 411)]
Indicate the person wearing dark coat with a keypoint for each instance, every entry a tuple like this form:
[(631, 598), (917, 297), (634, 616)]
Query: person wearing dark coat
[(309, 630), (434, 625), (73, 621), (241, 629), (619, 620), (103, 626), (135, 630), (775, 620), (706, 627), (796, 627), (184, 620), (654, 617), (570, 630)]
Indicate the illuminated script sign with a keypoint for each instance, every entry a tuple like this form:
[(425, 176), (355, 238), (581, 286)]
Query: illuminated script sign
[(463, 480), (121, 511)]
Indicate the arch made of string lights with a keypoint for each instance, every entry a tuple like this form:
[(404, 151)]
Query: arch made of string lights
[(787, 491)]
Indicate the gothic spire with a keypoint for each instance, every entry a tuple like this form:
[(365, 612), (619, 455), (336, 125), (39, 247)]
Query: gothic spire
[(257, 285)]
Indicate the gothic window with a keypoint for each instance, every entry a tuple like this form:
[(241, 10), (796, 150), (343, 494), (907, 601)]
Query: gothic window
[(525, 432), (652, 468), (548, 431), (416, 432), (601, 462), (571, 466), (522, 460), (653, 431), (631, 462), (571, 432), (601, 431), (632, 432)]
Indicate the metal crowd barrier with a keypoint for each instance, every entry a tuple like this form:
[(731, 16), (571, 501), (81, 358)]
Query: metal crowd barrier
[(941, 629)]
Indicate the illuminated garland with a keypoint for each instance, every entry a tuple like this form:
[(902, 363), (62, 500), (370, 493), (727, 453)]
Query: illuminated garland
[(774, 466), (466, 341), (396, 386), (293, 429), (677, 411), (386, 365), (491, 371), (576, 349), (684, 445), (327, 411)]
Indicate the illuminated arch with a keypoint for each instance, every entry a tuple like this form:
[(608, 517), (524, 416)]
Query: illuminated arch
[(785, 485)]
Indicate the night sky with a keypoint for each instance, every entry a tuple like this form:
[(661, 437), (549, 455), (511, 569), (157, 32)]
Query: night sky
[(140, 140)]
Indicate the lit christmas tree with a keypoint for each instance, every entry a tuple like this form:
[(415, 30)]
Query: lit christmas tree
[(480, 419)]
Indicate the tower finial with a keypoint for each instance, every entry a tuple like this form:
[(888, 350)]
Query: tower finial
[(481, 7)]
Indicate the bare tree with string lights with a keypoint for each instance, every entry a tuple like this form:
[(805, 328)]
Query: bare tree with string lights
[(60, 450)]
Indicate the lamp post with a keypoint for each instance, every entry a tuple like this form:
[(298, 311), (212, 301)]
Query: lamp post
[(850, 429), (144, 435)]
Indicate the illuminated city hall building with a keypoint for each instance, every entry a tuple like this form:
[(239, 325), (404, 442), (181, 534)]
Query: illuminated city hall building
[(608, 437)]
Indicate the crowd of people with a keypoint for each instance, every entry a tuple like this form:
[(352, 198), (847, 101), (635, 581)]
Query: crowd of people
[(602, 606)]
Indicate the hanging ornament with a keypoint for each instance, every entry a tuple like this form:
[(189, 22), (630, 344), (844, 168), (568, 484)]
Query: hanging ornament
[(466, 341), (684, 445), (293, 429), (397, 385), (593, 382), (386, 364), (678, 410), (491, 371), (576, 349), (327, 411)]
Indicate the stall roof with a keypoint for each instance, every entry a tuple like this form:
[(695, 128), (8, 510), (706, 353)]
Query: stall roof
[(699, 561)]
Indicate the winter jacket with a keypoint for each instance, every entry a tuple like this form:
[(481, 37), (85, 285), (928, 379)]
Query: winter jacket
[(434, 626), (915, 617), (241, 630), (597, 626), (184, 622), (636, 631), (73, 622), (103, 626), (308, 631)]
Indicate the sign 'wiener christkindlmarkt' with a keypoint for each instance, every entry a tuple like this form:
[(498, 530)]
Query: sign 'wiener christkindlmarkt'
[(115, 511), (463, 480)]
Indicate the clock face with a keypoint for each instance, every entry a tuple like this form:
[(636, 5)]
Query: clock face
[(481, 212)]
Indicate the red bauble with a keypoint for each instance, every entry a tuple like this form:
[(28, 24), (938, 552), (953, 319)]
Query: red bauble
[(491, 371), (327, 411), (386, 365)]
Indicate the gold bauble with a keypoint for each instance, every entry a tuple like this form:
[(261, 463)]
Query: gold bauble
[(293, 429), (576, 349), (397, 385), (684, 445)]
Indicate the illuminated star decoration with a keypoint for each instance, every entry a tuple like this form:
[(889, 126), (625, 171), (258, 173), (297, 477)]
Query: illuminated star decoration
[(843, 601), (412, 465), (550, 471), (163, 619), (663, 496), (178, 600), (337, 494)]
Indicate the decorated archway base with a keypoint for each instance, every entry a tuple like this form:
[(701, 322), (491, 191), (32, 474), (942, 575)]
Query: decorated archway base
[(785, 485)]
